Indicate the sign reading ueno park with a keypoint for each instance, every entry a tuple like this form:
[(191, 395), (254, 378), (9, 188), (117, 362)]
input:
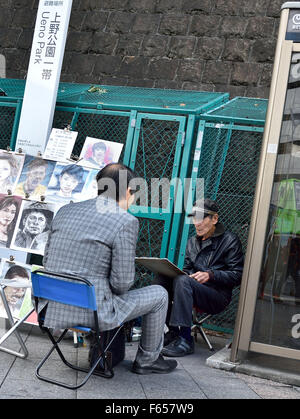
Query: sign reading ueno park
[(43, 75)]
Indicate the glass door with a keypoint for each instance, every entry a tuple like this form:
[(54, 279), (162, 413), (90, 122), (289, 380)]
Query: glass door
[(277, 312)]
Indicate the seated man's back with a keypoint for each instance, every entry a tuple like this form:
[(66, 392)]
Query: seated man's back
[(96, 239), (82, 236)]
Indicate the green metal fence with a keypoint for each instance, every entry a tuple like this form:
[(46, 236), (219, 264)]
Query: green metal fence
[(166, 134), (156, 153), (226, 155), (156, 126)]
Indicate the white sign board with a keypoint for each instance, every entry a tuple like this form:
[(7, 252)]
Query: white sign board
[(60, 145), (43, 75)]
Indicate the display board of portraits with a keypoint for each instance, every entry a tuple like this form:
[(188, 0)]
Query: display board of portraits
[(32, 190)]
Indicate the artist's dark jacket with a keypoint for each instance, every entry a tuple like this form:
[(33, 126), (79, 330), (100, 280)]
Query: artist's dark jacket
[(220, 255)]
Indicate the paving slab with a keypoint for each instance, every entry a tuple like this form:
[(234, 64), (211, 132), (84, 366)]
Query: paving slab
[(268, 389), (178, 385)]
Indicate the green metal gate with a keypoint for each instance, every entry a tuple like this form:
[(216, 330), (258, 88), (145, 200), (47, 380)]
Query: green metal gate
[(156, 154), (226, 155)]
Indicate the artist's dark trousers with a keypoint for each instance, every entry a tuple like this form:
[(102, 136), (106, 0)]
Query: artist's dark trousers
[(185, 293)]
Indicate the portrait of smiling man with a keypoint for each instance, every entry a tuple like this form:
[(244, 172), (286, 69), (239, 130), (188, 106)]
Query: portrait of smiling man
[(35, 171), (16, 280)]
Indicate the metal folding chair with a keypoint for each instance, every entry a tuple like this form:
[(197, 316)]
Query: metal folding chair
[(77, 292), (198, 321), (23, 353)]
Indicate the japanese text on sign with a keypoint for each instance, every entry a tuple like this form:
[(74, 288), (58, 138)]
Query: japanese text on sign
[(43, 75), (46, 45)]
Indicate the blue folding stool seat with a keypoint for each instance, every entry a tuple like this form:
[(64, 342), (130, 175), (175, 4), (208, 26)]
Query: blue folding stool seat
[(79, 292)]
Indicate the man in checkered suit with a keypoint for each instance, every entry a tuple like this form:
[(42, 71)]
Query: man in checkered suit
[(96, 239)]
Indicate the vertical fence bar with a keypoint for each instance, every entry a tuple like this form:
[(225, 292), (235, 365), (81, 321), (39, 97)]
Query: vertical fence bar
[(179, 203), (130, 136), (175, 172), (13, 138), (222, 162), (191, 194)]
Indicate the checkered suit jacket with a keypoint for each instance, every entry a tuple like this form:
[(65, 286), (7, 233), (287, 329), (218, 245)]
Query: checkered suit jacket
[(94, 239)]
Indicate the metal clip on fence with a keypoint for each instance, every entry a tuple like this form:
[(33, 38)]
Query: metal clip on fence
[(74, 159)]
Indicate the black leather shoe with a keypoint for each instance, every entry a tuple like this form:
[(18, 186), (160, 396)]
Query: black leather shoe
[(160, 366), (169, 337), (179, 347)]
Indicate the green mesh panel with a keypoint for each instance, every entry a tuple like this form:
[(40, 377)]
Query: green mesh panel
[(7, 116), (233, 187), (154, 158), (14, 88), (156, 151), (126, 97), (149, 243), (212, 154), (105, 127), (237, 186), (229, 165), (62, 119), (241, 109)]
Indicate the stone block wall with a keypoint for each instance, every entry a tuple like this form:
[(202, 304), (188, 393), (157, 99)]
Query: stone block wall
[(208, 45)]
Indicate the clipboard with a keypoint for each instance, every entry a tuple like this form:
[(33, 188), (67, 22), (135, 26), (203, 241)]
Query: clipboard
[(161, 266)]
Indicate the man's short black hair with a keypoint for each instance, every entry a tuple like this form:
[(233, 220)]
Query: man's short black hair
[(117, 175), (37, 162), (16, 270)]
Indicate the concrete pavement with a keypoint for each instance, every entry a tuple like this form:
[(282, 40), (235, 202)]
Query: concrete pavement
[(192, 379)]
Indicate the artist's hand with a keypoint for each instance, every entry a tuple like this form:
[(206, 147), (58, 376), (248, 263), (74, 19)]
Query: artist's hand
[(201, 277)]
